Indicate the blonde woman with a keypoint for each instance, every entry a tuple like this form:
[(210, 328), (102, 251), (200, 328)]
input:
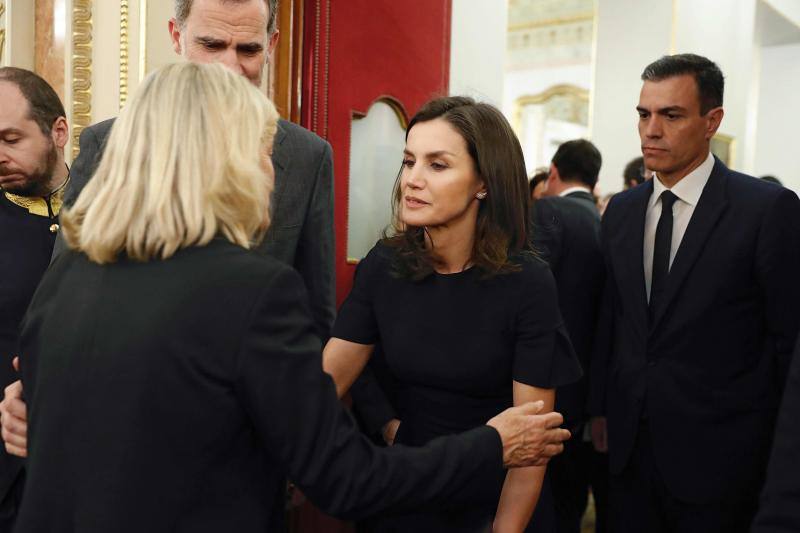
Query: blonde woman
[(173, 376)]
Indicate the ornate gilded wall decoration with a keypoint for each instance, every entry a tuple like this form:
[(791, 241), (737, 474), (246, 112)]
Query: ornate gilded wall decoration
[(81, 69), (123, 52), (2, 30), (142, 39)]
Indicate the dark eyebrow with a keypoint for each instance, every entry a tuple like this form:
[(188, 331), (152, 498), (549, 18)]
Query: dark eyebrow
[(433, 155), (250, 47), (209, 41), (11, 131), (663, 110)]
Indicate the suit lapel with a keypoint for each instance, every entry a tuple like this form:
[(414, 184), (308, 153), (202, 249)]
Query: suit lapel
[(629, 251), (711, 205), (280, 161)]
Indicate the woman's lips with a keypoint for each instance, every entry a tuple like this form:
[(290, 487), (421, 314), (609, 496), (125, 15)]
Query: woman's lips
[(413, 202)]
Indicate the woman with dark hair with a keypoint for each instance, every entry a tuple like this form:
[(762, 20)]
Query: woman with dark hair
[(466, 316)]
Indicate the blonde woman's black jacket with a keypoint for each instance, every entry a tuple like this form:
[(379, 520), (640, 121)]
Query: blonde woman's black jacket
[(301, 230), (175, 395)]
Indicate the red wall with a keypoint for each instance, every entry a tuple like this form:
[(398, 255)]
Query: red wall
[(359, 51)]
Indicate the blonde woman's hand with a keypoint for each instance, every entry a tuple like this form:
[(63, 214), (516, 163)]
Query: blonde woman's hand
[(13, 417), (529, 439)]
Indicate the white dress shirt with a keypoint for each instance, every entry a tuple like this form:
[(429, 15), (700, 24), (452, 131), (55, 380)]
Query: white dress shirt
[(688, 191), (577, 188)]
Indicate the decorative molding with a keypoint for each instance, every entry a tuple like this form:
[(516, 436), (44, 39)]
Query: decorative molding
[(123, 52), (557, 21), (142, 39), (2, 30), (724, 147), (673, 31), (555, 90), (81, 70), (577, 95)]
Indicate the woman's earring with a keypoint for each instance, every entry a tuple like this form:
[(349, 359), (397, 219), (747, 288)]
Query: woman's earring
[(481, 195)]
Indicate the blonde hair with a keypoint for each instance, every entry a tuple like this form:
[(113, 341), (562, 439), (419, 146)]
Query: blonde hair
[(183, 163)]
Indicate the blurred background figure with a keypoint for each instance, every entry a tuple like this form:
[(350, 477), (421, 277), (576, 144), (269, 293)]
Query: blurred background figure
[(602, 202), (566, 231), (635, 173), (538, 184)]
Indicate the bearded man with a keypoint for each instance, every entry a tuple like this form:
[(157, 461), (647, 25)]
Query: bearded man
[(33, 176)]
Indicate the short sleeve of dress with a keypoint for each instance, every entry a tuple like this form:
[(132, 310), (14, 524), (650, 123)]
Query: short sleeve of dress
[(543, 353), (356, 320)]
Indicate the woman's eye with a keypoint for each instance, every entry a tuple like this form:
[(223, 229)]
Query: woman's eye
[(438, 166), (408, 163)]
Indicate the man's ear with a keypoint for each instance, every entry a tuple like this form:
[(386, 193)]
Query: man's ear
[(175, 35), (714, 118), (272, 43), (60, 132), (553, 176)]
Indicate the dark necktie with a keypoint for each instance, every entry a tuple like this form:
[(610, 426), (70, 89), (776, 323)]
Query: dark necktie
[(661, 249)]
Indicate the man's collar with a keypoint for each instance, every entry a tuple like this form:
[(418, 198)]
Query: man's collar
[(576, 188), (690, 187), (44, 206)]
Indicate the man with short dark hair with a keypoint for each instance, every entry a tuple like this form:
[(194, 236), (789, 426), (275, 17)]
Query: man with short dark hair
[(33, 133), (635, 173), (566, 231), (699, 318), (575, 167)]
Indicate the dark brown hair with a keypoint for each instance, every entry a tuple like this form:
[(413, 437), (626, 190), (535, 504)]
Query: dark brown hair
[(44, 105), (578, 160), (706, 73), (501, 230)]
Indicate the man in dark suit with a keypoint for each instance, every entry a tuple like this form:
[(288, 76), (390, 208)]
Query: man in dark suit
[(698, 321), (566, 231), (780, 501), (242, 36), (33, 132)]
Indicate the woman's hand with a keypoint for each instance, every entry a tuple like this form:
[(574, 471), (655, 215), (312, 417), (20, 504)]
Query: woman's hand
[(390, 430)]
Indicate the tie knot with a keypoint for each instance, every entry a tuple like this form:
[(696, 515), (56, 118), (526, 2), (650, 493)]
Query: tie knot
[(667, 199)]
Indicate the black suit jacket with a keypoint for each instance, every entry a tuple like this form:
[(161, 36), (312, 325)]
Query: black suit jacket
[(780, 500), (566, 232), (710, 366), (175, 395), (301, 231)]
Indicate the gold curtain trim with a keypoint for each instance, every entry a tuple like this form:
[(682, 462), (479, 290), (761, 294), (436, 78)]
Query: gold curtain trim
[(81, 70)]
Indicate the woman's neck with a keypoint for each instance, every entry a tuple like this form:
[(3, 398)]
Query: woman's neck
[(452, 246)]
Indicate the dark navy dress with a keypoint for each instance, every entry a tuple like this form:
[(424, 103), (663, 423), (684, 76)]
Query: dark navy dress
[(453, 344)]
